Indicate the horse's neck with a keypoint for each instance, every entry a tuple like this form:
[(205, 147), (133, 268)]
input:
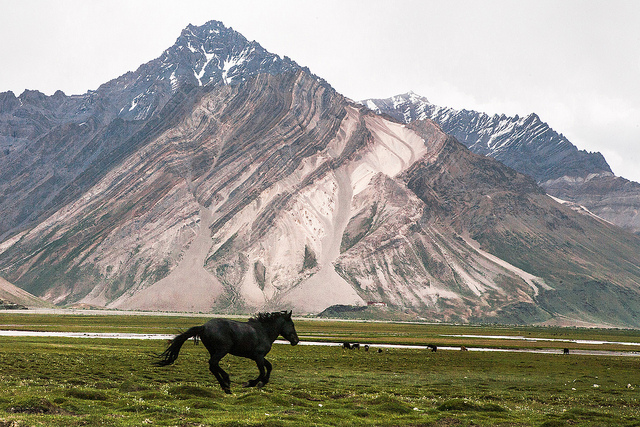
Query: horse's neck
[(271, 329)]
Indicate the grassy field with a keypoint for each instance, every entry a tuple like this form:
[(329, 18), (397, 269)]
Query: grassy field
[(72, 381)]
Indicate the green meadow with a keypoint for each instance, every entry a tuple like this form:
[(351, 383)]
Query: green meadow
[(93, 381)]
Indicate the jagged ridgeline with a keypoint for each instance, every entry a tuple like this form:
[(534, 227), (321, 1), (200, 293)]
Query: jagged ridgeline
[(578, 178), (220, 177)]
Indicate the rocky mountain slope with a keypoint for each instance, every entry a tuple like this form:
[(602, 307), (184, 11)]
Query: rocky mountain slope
[(53, 148), (530, 146), (12, 297), (271, 190)]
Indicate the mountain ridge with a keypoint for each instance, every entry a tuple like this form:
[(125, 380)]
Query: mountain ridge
[(530, 146)]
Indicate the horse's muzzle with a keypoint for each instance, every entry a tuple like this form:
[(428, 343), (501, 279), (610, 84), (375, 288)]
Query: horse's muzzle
[(294, 341)]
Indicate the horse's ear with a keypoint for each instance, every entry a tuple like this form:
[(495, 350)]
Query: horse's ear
[(289, 315)]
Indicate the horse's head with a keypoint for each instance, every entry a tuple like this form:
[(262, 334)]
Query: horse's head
[(288, 330)]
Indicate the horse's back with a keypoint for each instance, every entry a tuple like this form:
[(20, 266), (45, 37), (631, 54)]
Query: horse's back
[(224, 328), (238, 338)]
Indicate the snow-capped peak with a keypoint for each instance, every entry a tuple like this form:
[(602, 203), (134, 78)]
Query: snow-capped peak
[(204, 55)]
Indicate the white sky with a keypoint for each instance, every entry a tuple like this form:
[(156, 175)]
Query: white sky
[(576, 63)]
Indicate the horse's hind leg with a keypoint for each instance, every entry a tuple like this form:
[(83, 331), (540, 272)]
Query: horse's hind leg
[(220, 374), (217, 352)]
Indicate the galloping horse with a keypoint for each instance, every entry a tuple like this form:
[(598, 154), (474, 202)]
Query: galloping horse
[(252, 339)]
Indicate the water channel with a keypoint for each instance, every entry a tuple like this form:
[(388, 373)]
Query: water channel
[(114, 335)]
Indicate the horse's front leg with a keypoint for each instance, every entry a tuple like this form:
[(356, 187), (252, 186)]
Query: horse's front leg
[(267, 365), (263, 378)]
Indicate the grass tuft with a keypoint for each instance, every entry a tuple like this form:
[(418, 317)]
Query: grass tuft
[(189, 391), (463, 405)]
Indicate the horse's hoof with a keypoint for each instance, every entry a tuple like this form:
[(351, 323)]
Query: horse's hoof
[(247, 384), (260, 384), (227, 390)]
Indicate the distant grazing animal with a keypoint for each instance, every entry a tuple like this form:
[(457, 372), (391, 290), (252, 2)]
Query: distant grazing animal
[(432, 347), (366, 347), (463, 348), (379, 350), (252, 339), (350, 346), (565, 351)]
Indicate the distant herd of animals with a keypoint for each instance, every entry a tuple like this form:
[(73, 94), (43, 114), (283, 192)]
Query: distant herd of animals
[(356, 346), (251, 339)]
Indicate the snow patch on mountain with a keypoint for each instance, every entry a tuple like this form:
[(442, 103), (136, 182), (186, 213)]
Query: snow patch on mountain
[(208, 58)]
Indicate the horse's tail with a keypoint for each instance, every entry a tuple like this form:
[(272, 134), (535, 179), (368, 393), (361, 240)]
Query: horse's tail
[(170, 355)]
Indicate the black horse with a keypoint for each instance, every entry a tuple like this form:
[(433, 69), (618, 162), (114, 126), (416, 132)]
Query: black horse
[(252, 339)]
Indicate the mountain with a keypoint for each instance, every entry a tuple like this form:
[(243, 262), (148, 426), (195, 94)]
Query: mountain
[(52, 149), (531, 147), (270, 190), (12, 297)]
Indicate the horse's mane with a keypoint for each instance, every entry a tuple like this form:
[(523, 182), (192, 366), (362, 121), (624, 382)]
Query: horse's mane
[(266, 317)]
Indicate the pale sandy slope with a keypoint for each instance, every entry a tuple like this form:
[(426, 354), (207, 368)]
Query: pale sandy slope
[(188, 287), (10, 292), (326, 287)]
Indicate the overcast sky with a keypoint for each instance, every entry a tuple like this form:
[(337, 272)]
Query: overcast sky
[(574, 63)]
